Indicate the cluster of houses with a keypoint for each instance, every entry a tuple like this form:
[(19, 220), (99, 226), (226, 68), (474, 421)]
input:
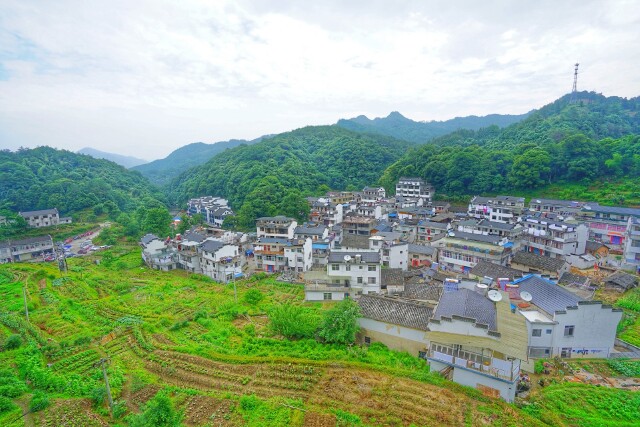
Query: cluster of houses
[(16, 250), (480, 293)]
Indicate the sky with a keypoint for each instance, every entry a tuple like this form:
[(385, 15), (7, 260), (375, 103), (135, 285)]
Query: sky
[(143, 78)]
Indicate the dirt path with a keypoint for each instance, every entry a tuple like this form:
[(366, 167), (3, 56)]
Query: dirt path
[(23, 403)]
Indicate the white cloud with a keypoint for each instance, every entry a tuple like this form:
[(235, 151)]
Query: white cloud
[(144, 78)]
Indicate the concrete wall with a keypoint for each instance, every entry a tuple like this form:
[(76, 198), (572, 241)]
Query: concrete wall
[(472, 379), (393, 336), (319, 296)]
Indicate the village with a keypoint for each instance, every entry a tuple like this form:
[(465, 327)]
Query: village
[(480, 294)]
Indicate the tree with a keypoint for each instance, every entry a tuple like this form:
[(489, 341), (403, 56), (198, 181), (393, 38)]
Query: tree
[(293, 321), (340, 323), (159, 412), (531, 169)]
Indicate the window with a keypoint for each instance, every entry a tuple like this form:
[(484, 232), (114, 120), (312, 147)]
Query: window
[(372, 268), (372, 280), (536, 333), (348, 267), (548, 331), (367, 340), (568, 330), (327, 296), (335, 267)]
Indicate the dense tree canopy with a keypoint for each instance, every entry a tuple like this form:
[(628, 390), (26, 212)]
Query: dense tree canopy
[(43, 177), (594, 138), (273, 176)]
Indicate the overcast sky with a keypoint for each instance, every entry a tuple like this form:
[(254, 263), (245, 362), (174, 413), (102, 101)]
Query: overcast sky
[(143, 78)]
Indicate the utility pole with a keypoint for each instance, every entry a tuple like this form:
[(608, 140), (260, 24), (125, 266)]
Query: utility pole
[(26, 307), (106, 384)]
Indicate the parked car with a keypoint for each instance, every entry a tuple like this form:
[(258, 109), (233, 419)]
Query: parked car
[(50, 257), (69, 240), (83, 251)]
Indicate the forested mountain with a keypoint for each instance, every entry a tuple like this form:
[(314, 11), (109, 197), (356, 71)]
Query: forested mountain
[(126, 161), (43, 177), (162, 171), (273, 176), (398, 126), (593, 138)]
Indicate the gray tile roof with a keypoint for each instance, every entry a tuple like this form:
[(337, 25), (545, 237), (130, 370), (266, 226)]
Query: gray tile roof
[(422, 291), (368, 257), (29, 240), (593, 246), (355, 241), (486, 268), (41, 212), (622, 279), (467, 303), (212, 246), (461, 235), (547, 295), (391, 277), (148, 238), (317, 230), (485, 223), (539, 262), (278, 240), (192, 236), (611, 209), (570, 278), (421, 249), (395, 311)]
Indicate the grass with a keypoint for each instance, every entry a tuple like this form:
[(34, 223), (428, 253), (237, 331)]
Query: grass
[(217, 357)]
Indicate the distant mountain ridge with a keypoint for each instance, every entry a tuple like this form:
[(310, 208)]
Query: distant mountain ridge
[(126, 161), (162, 171), (401, 127)]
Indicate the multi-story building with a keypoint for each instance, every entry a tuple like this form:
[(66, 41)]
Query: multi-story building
[(340, 197), (608, 224), (461, 251), (478, 342), (497, 209), (415, 188), (277, 254), (396, 255), (213, 209), (555, 239), (359, 225), (158, 254), (43, 218), (502, 229), (277, 227), (560, 324), (219, 261), (632, 244), (428, 231), (316, 232), (560, 207), (358, 270), (25, 249), (325, 212), (373, 194)]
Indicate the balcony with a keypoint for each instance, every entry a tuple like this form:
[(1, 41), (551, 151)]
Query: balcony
[(507, 370)]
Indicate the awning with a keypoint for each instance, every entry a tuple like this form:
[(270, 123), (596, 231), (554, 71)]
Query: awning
[(319, 246)]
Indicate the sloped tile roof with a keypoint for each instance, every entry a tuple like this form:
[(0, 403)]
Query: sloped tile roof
[(569, 278), (369, 257), (391, 277), (422, 291), (486, 268), (467, 303), (622, 279), (395, 311), (547, 295), (539, 262)]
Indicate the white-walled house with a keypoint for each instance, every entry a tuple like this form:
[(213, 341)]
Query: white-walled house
[(560, 324), (299, 255), (358, 270), (42, 218), (478, 342), (219, 261), (396, 256), (278, 227), (397, 323)]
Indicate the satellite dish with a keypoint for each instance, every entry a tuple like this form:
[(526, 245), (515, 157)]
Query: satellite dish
[(451, 234), (347, 258), (526, 296), (494, 295)]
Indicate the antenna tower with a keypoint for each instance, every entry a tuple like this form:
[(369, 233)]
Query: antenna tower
[(574, 90)]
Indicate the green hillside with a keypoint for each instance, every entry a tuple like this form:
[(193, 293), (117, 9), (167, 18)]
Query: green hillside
[(398, 126), (272, 176), (43, 177), (585, 142), (162, 171)]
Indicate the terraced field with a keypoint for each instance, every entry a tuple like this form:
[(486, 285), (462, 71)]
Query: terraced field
[(218, 359)]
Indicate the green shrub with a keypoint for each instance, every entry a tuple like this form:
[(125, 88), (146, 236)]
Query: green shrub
[(83, 340), (13, 342), (98, 395), (39, 401), (293, 321), (253, 296), (538, 366), (158, 412), (249, 403), (340, 323), (6, 405)]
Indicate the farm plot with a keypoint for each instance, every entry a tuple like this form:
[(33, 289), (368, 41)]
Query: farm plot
[(69, 412)]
